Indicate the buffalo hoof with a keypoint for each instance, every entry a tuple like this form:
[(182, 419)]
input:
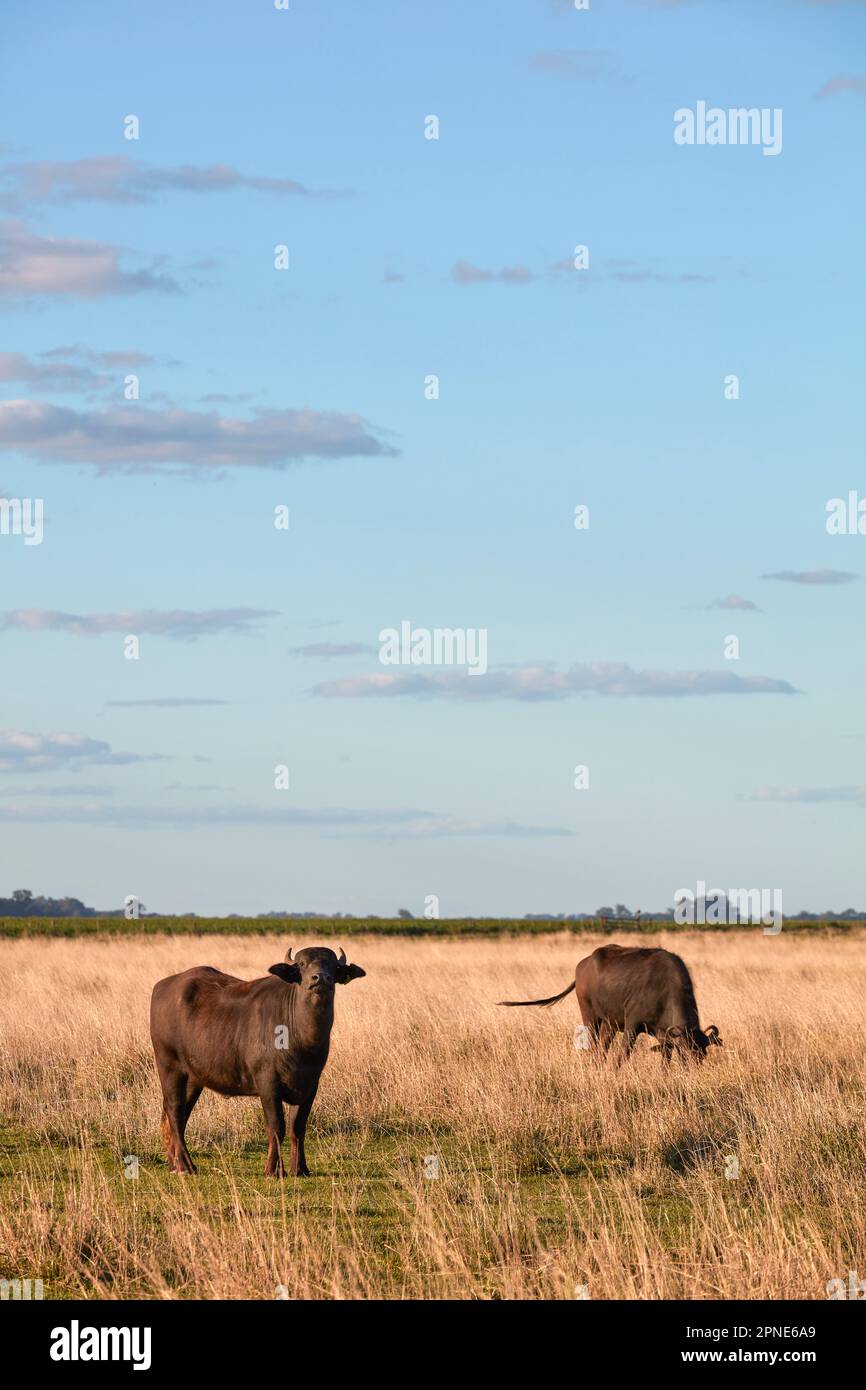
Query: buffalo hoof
[(183, 1166)]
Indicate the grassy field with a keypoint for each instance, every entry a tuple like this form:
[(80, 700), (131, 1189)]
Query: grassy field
[(555, 1173)]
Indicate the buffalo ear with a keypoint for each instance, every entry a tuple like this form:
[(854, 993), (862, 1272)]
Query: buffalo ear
[(346, 973), (713, 1035), (290, 973)]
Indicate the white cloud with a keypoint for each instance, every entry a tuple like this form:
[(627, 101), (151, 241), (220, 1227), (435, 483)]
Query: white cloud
[(147, 440), (735, 603), (545, 682), (181, 624), (26, 752), (813, 576), (327, 650), (339, 821), (811, 795), (120, 179), (32, 266)]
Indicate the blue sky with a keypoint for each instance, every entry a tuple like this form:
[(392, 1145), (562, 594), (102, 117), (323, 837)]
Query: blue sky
[(305, 388)]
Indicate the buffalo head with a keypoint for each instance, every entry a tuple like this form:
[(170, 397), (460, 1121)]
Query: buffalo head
[(317, 970), (691, 1042)]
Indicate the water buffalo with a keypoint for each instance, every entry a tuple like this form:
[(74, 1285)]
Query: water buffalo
[(632, 990), (267, 1038)]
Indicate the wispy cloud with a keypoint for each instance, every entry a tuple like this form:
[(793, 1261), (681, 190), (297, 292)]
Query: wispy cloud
[(226, 397), (33, 266), (545, 682), (184, 625), (813, 576), (442, 827), (834, 85), (166, 702), (121, 179), (734, 602), (465, 273), (327, 650), (195, 787), (49, 376), (352, 823), (117, 357), (811, 795), (580, 64), (78, 789), (633, 273), (141, 439), (69, 369), (26, 752)]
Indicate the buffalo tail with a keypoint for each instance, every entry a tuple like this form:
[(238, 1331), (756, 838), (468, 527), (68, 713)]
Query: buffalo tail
[(524, 1003)]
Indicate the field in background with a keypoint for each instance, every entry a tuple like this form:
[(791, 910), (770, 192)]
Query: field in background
[(555, 1173), (373, 926)]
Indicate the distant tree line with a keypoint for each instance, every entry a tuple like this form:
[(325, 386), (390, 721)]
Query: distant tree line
[(24, 904)]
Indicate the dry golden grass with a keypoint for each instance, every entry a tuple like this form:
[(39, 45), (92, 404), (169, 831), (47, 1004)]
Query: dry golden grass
[(555, 1172)]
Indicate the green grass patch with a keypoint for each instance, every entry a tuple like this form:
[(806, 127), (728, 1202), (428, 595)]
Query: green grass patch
[(446, 927)]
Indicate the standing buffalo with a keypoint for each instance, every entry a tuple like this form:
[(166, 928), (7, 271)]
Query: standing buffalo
[(632, 990), (267, 1038)]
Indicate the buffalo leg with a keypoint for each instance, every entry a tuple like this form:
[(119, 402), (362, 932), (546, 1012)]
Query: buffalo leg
[(275, 1121), (167, 1139), (177, 1094), (299, 1130), (192, 1095), (605, 1038), (592, 1025), (629, 1037)]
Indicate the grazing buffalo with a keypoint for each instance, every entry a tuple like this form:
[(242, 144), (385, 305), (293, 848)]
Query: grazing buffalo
[(267, 1038), (632, 990)]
